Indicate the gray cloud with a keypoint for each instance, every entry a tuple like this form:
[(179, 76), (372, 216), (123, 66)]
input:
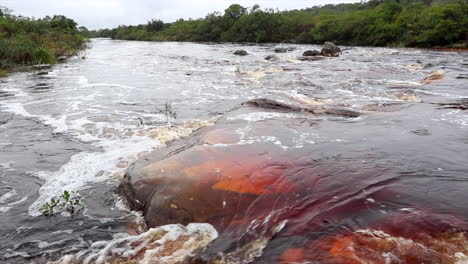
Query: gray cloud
[(96, 14)]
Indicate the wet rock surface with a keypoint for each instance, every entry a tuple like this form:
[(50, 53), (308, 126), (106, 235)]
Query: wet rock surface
[(241, 53), (311, 53), (281, 50), (272, 58), (275, 196), (330, 50)]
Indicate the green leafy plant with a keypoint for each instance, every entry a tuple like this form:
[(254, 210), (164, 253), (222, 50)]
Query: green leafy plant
[(70, 202)]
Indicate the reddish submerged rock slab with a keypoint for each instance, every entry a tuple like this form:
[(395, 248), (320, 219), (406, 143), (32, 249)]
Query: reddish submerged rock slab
[(280, 187)]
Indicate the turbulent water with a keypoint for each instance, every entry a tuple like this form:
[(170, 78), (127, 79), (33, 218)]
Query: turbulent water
[(77, 126)]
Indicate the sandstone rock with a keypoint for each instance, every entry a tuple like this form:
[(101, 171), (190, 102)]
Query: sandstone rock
[(275, 196)]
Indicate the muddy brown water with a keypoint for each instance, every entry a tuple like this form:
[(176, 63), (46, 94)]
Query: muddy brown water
[(76, 126)]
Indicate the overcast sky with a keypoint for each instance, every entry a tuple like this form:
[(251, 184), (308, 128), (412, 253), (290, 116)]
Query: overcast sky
[(96, 14)]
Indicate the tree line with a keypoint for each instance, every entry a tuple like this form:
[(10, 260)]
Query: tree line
[(408, 23), (27, 41)]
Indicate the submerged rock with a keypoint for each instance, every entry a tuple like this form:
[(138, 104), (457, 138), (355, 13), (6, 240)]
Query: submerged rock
[(435, 75), (273, 196), (281, 50), (394, 241), (330, 50), (310, 58), (308, 53), (272, 58), (241, 52)]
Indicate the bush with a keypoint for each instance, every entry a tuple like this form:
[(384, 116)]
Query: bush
[(25, 41), (377, 22)]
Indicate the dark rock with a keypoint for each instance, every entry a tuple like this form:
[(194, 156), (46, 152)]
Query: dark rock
[(42, 73), (330, 50), (41, 66), (241, 52), (281, 50), (310, 58), (272, 58), (421, 132), (311, 53)]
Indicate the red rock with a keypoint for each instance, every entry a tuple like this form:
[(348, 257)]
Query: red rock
[(248, 185)]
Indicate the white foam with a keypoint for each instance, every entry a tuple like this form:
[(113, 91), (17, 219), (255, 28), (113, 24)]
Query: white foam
[(7, 196), (16, 108), (259, 116), (151, 246), (4, 209), (89, 167)]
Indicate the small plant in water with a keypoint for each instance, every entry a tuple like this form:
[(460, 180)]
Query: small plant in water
[(70, 202), (168, 112)]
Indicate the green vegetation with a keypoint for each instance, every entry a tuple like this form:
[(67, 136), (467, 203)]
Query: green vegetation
[(169, 112), (423, 23), (26, 41), (70, 202)]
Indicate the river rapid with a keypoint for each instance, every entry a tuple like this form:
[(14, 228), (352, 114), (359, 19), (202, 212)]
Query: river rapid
[(79, 125)]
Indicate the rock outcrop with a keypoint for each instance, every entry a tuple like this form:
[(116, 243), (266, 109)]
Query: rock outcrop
[(272, 193), (308, 53), (272, 58), (281, 50), (241, 53), (330, 50)]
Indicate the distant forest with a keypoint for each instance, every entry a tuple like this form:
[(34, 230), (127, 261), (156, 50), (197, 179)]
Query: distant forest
[(402, 23)]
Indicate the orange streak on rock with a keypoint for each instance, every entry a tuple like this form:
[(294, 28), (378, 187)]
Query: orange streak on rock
[(292, 255), (241, 175)]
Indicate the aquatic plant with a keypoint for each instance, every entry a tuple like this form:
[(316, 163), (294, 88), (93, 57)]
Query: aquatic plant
[(70, 202), (169, 112)]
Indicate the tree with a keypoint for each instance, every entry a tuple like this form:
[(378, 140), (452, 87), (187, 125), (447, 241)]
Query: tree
[(235, 11), (154, 25)]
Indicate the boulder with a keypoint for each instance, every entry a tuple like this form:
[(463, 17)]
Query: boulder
[(330, 50), (311, 53), (274, 181), (281, 50), (272, 58), (241, 52)]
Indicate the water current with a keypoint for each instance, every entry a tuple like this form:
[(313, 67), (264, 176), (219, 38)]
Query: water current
[(78, 125)]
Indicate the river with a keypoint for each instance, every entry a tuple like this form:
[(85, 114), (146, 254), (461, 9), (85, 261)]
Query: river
[(78, 126)]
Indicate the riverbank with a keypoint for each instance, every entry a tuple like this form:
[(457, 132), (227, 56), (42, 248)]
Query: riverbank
[(372, 23), (26, 42)]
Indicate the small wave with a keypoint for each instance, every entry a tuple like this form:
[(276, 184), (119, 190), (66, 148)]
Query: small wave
[(440, 94), (16, 108), (164, 245), (456, 117), (260, 116)]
